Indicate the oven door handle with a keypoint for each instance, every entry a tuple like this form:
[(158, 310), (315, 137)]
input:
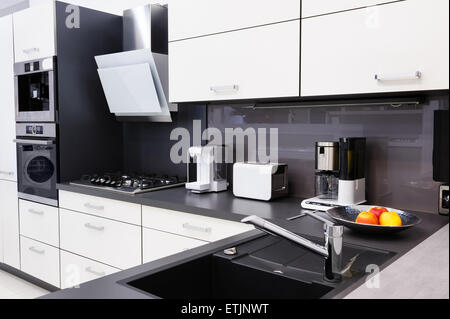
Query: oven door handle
[(35, 142)]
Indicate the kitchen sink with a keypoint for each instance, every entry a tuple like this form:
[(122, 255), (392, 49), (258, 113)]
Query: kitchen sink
[(264, 268)]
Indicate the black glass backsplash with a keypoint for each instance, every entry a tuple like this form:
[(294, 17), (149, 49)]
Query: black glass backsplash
[(399, 145)]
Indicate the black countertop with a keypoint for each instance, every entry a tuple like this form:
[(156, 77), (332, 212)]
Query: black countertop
[(225, 206)]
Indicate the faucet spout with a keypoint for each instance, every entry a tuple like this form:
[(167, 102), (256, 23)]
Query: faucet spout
[(331, 251)]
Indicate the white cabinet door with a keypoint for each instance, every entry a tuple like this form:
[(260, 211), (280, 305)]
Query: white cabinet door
[(317, 7), (39, 222), (193, 18), (377, 50), (40, 260), (260, 62), (8, 165), (9, 220), (191, 225), (76, 270), (35, 32), (102, 207), (107, 241), (157, 244)]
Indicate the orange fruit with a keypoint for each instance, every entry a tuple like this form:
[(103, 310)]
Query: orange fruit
[(390, 219), (367, 218)]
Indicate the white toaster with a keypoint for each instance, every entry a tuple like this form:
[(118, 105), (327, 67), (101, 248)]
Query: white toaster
[(260, 181)]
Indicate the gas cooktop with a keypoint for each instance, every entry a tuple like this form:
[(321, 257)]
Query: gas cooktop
[(130, 184)]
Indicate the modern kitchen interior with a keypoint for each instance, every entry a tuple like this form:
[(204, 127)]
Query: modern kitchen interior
[(224, 150)]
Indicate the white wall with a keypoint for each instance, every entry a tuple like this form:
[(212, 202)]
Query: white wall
[(111, 6)]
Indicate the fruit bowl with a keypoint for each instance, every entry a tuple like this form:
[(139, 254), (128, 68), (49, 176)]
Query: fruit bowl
[(346, 215)]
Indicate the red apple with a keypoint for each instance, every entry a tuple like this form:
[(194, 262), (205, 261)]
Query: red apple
[(378, 211)]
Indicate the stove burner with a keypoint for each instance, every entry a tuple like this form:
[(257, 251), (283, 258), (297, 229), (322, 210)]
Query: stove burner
[(132, 184)]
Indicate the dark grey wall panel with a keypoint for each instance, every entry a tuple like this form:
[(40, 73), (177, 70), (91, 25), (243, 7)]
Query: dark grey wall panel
[(90, 137), (399, 146)]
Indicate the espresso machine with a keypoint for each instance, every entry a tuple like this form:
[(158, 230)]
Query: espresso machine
[(339, 174)]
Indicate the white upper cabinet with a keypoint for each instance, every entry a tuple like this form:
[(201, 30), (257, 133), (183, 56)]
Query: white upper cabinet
[(34, 32), (317, 7), (396, 47), (261, 62), (8, 166), (193, 18)]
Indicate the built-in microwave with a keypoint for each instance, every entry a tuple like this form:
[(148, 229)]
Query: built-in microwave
[(35, 90)]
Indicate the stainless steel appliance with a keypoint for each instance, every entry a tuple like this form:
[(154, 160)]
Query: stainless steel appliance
[(35, 90), (344, 186), (143, 66), (260, 181), (131, 184), (37, 169), (327, 170)]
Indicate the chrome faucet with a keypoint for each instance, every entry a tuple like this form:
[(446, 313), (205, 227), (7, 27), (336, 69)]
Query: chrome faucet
[(332, 250)]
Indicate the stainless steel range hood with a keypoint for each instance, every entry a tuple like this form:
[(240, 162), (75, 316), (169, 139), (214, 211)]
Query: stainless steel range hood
[(135, 81)]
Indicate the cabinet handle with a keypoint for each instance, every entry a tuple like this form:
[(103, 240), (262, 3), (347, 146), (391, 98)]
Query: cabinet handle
[(36, 212), (398, 77), (96, 273), (90, 206), (7, 173), (225, 88), (197, 228), (97, 228), (30, 50), (37, 251)]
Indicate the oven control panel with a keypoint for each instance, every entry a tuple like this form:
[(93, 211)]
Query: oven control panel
[(36, 129)]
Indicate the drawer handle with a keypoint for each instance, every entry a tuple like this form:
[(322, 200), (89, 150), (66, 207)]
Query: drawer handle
[(197, 228), (399, 77), (30, 50), (91, 206), (225, 88), (35, 212), (7, 173), (96, 273), (97, 228), (37, 251)]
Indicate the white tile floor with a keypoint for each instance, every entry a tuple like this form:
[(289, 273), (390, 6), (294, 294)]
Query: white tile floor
[(12, 287)]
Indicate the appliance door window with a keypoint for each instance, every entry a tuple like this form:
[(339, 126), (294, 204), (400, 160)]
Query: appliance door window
[(34, 92), (37, 170)]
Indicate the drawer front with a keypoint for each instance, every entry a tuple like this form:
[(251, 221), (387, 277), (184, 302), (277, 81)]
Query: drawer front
[(157, 244), (195, 18), (76, 270), (40, 260), (113, 243), (377, 51), (102, 207), (189, 225), (227, 68), (317, 7), (40, 222)]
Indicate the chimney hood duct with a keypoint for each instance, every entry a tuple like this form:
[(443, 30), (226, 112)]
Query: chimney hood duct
[(135, 81)]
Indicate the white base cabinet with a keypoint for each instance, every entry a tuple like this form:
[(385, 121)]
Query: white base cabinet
[(76, 270), (9, 223), (40, 260), (114, 243), (396, 47), (158, 244)]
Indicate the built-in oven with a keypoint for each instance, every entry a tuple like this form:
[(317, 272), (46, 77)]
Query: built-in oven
[(37, 169), (35, 90)]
